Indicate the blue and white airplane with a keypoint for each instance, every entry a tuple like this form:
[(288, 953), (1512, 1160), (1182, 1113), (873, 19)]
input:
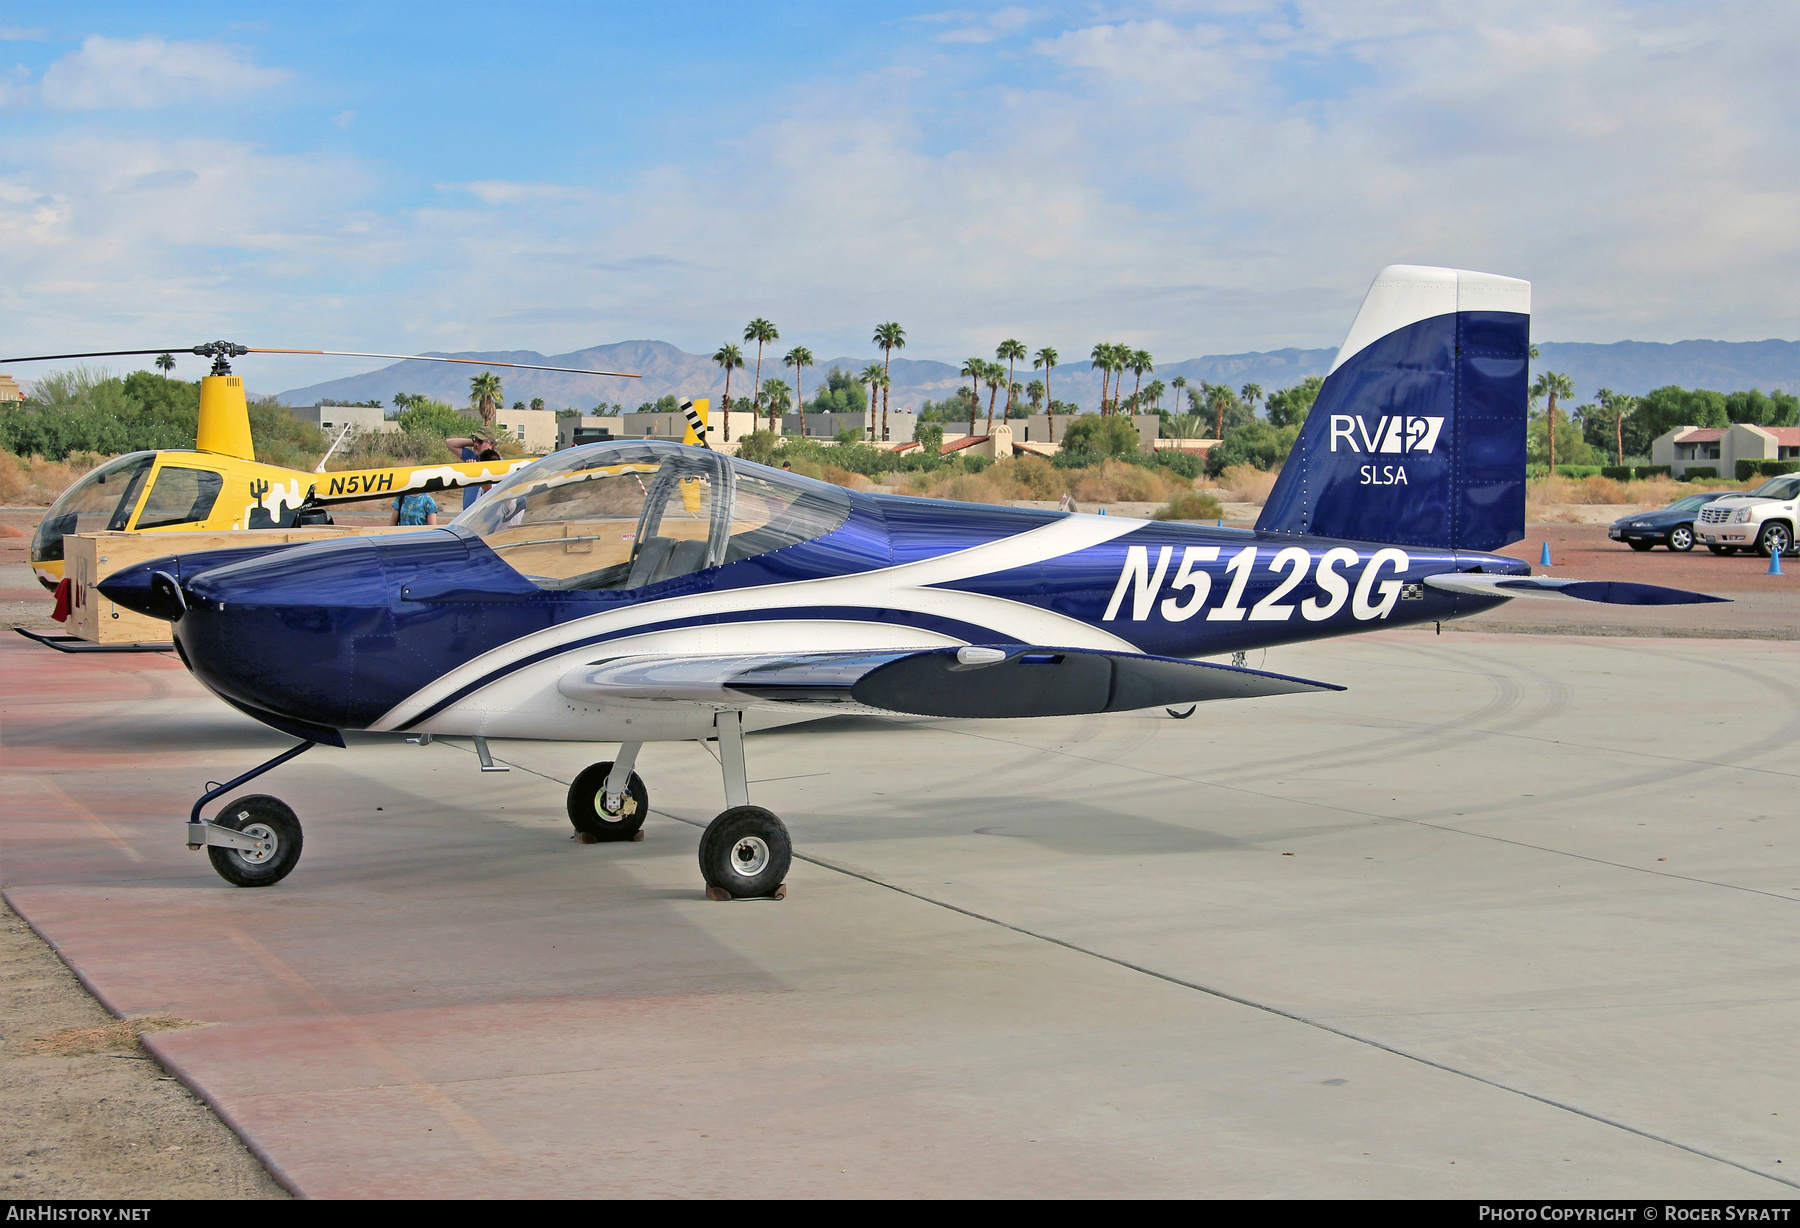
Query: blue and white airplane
[(632, 592)]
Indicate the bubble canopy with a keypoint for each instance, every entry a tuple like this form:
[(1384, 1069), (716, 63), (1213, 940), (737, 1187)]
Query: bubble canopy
[(628, 514)]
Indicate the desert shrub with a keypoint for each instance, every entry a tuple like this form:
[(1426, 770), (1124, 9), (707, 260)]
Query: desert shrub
[(1259, 443), (1035, 475), (1113, 481), (1108, 436), (1191, 505), (35, 482), (759, 446), (1247, 483), (1189, 465)]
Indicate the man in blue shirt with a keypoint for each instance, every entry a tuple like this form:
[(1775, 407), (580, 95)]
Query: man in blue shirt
[(474, 446)]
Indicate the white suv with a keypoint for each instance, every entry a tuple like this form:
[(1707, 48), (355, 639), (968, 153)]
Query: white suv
[(1763, 520)]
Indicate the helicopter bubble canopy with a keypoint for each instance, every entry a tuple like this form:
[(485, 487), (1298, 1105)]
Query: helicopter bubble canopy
[(622, 515), (103, 500)]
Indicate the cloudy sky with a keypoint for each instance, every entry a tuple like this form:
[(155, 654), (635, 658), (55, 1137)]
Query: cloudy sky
[(1192, 178)]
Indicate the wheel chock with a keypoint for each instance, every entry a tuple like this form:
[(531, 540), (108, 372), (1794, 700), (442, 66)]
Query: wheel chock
[(586, 837), (637, 835), (721, 895)]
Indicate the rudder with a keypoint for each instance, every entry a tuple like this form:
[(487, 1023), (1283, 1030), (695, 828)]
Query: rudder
[(1418, 434)]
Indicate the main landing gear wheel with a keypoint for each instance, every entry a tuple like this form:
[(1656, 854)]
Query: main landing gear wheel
[(745, 853), (276, 830), (591, 815), (1681, 538), (1640, 547)]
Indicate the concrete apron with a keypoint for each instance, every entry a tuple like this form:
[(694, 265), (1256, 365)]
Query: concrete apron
[(1418, 939)]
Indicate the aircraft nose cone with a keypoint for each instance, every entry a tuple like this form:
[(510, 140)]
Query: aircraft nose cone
[(283, 634), (148, 588)]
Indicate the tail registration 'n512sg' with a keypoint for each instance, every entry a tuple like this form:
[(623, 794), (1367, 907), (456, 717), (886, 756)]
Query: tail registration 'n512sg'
[(639, 591)]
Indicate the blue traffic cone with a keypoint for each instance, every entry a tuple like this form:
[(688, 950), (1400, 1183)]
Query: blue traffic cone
[(1545, 561), (1774, 562)]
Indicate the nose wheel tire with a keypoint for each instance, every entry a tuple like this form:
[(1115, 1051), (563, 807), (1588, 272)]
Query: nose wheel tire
[(745, 852), (1681, 538), (591, 815), (1774, 539), (275, 827)]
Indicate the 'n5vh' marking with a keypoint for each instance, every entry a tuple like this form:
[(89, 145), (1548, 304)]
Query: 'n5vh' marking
[(1372, 597), (362, 484)]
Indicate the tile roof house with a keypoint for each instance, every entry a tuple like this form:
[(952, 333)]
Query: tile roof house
[(1722, 447)]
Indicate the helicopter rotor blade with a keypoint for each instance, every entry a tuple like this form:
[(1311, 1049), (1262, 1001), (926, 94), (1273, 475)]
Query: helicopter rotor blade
[(167, 349), (473, 362), (206, 351)]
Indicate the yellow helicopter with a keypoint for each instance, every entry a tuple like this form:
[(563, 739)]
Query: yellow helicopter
[(220, 485)]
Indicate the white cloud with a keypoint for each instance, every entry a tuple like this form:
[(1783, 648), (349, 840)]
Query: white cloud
[(148, 72), (1187, 184)]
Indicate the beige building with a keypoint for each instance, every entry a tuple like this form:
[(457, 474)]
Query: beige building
[(535, 430), (9, 388), (334, 418), (1722, 447)]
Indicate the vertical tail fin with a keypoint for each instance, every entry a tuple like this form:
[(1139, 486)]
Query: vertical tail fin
[(1418, 435)]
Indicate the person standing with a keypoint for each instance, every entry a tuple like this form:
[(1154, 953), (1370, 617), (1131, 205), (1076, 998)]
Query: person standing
[(415, 510), (475, 446)]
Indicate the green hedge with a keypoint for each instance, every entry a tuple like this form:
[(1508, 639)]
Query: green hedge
[(1566, 471), (1696, 472), (1653, 471), (1747, 469)]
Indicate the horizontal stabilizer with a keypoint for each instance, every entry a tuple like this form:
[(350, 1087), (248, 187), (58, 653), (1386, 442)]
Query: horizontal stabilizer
[(953, 682), (1607, 592)]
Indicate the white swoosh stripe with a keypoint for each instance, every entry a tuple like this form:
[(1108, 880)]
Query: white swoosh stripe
[(905, 587)]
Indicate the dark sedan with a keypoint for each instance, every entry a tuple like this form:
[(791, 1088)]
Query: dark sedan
[(1672, 526)]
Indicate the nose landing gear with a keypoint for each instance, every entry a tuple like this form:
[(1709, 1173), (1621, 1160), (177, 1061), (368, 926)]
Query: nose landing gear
[(608, 801), (256, 840)]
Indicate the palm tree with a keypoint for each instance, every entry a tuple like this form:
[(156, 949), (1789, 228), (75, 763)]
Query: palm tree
[(485, 394), (165, 363), (1617, 406), (762, 332), (1180, 385), (993, 375), (974, 368), (1551, 384), (1153, 393), (1139, 362), (1046, 358), (1035, 390), (1218, 397), (1101, 360), (732, 359), (1252, 393), (889, 337), (1010, 351), (874, 375), (777, 391), (799, 358)]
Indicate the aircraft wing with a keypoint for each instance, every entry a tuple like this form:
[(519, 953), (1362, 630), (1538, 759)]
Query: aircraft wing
[(1608, 592), (955, 682)]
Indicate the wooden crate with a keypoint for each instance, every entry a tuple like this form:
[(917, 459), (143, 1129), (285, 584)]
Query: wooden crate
[(89, 558)]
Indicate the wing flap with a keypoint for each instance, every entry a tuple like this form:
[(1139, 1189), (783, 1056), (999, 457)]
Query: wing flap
[(968, 682)]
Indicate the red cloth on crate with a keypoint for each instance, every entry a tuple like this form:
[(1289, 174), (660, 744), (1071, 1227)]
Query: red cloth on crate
[(61, 613)]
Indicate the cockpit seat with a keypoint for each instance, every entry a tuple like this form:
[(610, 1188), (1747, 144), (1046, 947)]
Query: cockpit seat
[(664, 558)]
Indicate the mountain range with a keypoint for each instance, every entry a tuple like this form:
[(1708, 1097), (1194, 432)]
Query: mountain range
[(1631, 367)]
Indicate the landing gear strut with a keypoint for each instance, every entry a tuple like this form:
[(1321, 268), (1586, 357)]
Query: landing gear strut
[(745, 851), (256, 840)]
